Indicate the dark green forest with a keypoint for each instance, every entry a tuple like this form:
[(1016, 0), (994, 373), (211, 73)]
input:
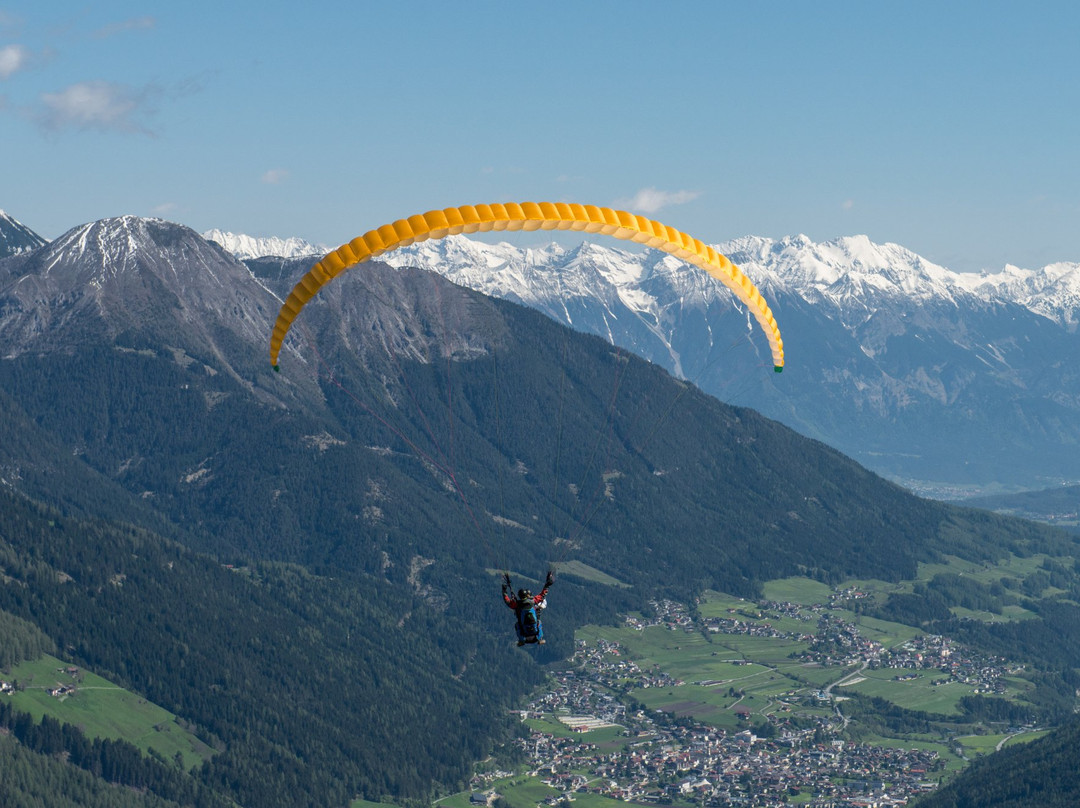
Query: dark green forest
[(32, 780), (348, 662)]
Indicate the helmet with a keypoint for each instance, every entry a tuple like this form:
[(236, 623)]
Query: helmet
[(524, 594)]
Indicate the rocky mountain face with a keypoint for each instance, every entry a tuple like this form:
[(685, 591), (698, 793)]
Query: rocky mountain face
[(946, 382), (133, 283)]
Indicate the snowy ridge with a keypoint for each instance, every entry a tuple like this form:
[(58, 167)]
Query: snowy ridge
[(1053, 291), (245, 247), (852, 273)]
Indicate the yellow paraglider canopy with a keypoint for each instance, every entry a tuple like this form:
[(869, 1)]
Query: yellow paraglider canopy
[(527, 216)]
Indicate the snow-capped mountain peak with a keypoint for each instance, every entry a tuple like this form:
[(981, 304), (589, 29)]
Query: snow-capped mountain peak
[(246, 247), (125, 275), (845, 269), (17, 238), (110, 246)]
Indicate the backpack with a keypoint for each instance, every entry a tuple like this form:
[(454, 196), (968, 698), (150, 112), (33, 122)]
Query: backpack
[(528, 620)]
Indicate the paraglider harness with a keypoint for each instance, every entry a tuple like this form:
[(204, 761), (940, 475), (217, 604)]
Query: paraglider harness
[(528, 626)]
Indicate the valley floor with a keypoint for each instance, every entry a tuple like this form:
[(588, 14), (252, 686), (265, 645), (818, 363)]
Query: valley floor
[(747, 703)]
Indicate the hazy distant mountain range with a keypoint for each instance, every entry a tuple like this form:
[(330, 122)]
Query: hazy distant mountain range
[(244, 247)]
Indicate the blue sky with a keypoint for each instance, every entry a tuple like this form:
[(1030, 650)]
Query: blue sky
[(950, 128)]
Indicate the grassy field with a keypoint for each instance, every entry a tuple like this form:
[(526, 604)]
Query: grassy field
[(581, 570), (817, 675), (1008, 614), (763, 650), (708, 705), (550, 726), (978, 745), (914, 694), (102, 710), (524, 792), (453, 801), (717, 604), (798, 590), (887, 633), (1025, 737)]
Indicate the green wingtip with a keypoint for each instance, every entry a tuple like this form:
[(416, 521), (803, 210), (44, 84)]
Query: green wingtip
[(776, 368), (276, 368)]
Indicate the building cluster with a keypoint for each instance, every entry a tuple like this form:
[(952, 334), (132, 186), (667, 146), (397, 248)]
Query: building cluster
[(839, 642), (954, 662), (665, 612), (609, 667)]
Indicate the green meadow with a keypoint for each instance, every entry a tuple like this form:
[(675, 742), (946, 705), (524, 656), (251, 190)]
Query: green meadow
[(804, 591), (579, 569), (102, 710), (913, 694)]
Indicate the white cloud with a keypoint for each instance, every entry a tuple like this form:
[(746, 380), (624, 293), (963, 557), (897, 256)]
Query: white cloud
[(650, 200), (96, 105), (13, 58), (275, 176), (107, 105), (848, 204), (134, 24), (164, 208)]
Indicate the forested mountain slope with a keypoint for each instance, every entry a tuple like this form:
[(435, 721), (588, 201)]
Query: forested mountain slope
[(1040, 774)]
